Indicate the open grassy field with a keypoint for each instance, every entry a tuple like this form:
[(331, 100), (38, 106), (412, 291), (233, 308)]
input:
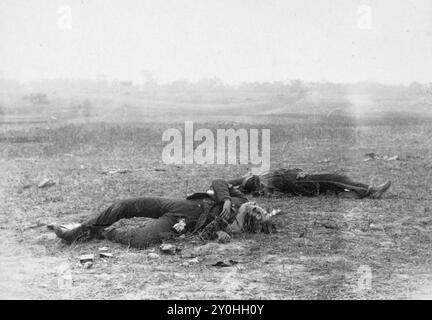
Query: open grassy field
[(324, 247)]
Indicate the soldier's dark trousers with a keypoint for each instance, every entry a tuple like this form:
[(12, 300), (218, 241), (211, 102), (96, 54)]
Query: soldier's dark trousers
[(325, 183), (165, 211)]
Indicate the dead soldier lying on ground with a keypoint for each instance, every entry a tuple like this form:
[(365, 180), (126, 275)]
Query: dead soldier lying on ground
[(298, 182), (217, 214)]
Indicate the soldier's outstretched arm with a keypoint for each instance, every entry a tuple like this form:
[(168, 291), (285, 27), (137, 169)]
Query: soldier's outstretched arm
[(221, 190)]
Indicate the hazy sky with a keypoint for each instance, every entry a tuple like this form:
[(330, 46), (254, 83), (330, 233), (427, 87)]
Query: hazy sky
[(235, 40)]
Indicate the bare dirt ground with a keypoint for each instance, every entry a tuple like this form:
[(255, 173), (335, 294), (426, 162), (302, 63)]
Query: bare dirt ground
[(324, 248)]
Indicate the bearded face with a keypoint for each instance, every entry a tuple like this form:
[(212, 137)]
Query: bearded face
[(257, 219)]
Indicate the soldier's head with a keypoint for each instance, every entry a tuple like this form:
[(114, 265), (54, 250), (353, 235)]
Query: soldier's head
[(257, 219), (251, 184)]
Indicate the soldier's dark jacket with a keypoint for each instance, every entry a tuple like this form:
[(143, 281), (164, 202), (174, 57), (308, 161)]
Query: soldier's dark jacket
[(208, 223)]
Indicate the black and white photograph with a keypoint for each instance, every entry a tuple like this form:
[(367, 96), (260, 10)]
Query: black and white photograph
[(215, 150)]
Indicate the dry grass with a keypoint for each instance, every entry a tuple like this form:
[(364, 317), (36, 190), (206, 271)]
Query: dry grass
[(316, 254)]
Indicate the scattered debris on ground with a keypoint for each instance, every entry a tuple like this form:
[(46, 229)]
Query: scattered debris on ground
[(225, 263), (376, 227), (329, 224), (373, 156), (190, 262), (86, 258), (169, 249), (47, 182), (115, 171), (153, 256)]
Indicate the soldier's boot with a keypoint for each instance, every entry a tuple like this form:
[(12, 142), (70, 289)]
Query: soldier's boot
[(376, 193)]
